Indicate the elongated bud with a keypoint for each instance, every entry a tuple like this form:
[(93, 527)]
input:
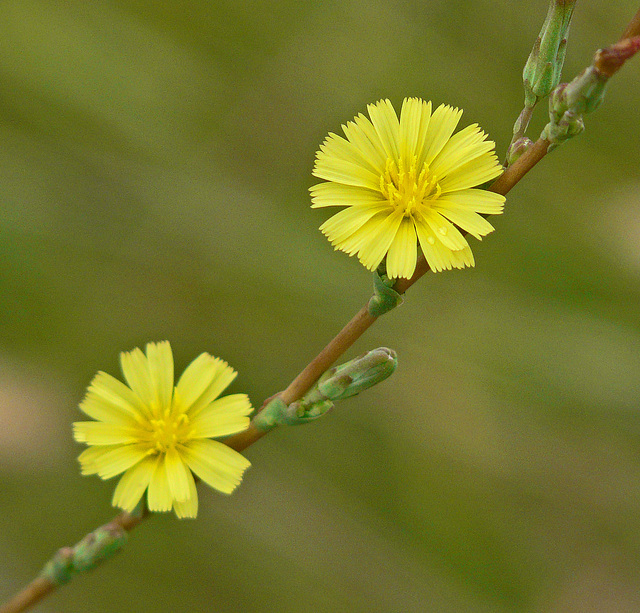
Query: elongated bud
[(357, 375), (337, 383), (544, 66), (98, 546), (93, 549)]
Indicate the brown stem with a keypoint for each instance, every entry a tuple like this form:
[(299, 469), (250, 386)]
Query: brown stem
[(508, 179), (301, 384), (127, 521), (242, 440), (633, 29), (33, 593), (340, 343), (611, 59)]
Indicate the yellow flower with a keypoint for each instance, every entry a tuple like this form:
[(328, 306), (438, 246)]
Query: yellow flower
[(157, 434), (407, 181)]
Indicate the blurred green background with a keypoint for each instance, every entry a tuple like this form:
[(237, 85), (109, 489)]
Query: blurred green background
[(154, 168)]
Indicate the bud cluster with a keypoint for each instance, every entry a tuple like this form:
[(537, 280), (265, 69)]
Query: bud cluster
[(570, 101)]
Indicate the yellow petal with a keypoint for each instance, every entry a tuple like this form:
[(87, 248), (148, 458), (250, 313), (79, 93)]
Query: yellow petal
[(476, 200), (462, 258), (216, 464), (159, 497), (160, 361), (188, 507), (461, 148), (99, 433), (345, 172), (177, 475), (434, 251), (335, 194), (351, 244), (467, 220), (224, 416), (111, 411), (443, 122), (117, 460), (363, 135), (202, 382), (411, 117), (133, 483), (445, 231), (379, 241), (473, 173), (115, 392), (335, 146), (423, 133), (135, 368), (401, 259), (385, 121), (90, 458), (347, 222), (197, 377)]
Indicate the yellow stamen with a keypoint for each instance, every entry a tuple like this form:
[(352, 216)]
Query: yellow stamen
[(407, 190), (168, 432)]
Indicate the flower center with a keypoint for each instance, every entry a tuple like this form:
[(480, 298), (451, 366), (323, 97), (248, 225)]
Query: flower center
[(408, 189), (166, 430)]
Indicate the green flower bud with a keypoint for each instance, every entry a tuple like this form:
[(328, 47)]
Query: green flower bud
[(357, 375), (59, 569), (98, 546), (517, 148), (544, 66), (93, 549), (337, 383), (570, 101), (384, 298)]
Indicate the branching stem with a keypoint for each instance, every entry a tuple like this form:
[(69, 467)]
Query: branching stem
[(41, 587)]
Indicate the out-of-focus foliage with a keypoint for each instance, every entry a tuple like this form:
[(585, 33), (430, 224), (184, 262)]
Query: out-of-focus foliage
[(154, 165)]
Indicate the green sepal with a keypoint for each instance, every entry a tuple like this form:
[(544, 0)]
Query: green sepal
[(384, 298), (299, 413), (269, 417)]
